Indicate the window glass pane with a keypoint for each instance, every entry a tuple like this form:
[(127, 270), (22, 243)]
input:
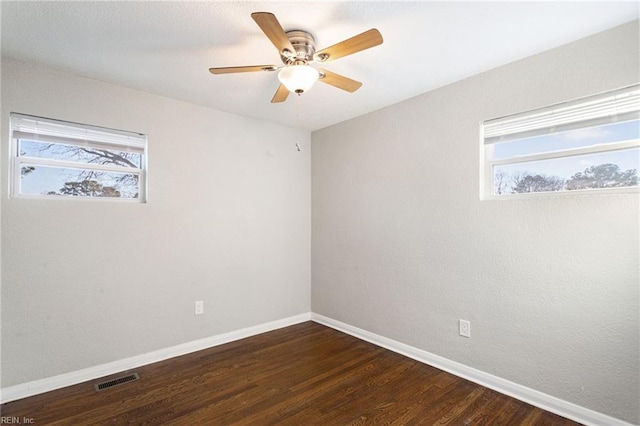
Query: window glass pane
[(612, 169), (47, 180), (80, 154), (577, 138)]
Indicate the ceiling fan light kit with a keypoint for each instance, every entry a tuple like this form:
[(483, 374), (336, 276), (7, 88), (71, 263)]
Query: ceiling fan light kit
[(297, 51), (298, 78)]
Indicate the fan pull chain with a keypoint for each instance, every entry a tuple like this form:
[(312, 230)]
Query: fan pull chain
[(297, 104)]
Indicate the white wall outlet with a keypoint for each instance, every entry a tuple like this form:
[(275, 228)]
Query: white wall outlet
[(199, 307), (465, 328)]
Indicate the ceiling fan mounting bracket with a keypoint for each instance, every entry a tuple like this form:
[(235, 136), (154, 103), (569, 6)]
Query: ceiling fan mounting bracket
[(304, 46)]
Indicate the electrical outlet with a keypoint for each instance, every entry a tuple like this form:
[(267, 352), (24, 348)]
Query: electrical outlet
[(465, 328), (199, 307)]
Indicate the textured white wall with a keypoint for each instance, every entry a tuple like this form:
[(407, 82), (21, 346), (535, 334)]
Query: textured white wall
[(403, 247), (227, 222)]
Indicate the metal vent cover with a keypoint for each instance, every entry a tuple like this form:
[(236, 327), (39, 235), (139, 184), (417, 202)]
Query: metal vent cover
[(115, 382)]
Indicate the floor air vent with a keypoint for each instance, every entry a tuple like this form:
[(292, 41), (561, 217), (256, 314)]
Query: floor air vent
[(115, 382)]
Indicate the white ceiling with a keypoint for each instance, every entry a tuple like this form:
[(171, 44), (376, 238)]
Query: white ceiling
[(167, 47)]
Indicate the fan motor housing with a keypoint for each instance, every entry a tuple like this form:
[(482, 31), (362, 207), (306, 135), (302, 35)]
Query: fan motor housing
[(304, 46)]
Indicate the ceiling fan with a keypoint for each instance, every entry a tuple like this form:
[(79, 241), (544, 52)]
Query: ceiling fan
[(297, 51)]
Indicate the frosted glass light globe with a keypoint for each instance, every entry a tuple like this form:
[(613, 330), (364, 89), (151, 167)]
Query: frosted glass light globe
[(298, 78)]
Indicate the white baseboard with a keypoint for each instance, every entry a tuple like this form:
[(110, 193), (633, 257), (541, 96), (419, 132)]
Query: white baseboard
[(35, 387), (523, 393)]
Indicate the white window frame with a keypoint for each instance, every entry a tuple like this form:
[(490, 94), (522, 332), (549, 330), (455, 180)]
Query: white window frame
[(609, 107), (41, 129)]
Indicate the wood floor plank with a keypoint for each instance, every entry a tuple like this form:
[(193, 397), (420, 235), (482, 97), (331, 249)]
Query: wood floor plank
[(306, 374)]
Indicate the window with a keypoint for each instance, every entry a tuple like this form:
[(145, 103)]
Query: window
[(54, 158), (587, 145)]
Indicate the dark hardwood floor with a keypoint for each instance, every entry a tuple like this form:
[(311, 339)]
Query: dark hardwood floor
[(306, 374)]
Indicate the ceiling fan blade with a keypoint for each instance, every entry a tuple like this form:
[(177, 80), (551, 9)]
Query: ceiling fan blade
[(281, 94), (339, 81), (350, 46), (251, 68), (272, 29)]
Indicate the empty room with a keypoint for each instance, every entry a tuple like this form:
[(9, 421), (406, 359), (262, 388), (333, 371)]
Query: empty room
[(320, 213)]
